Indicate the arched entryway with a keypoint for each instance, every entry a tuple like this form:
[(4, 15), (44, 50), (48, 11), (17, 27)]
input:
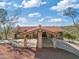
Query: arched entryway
[(47, 39), (44, 38), (40, 33)]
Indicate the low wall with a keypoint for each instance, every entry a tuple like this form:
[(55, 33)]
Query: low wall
[(67, 46), (20, 43)]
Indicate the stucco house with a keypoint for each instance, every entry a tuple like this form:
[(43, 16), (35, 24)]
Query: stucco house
[(43, 34)]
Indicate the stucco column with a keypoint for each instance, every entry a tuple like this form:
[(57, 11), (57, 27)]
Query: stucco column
[(39, 39), (31, 35), (61, 36), (54, 40), (48, 36), (25, 41)]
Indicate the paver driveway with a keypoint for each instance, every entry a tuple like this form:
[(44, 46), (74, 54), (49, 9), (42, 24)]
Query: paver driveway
[(9, 52)]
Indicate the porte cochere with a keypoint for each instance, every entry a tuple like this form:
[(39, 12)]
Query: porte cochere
[(46, 36)]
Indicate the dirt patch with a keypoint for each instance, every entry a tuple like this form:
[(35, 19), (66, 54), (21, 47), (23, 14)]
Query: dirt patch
[(9, 52)]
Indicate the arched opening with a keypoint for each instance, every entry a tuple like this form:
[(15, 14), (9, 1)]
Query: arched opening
[(47, 39), (41, 38), (44, 35)]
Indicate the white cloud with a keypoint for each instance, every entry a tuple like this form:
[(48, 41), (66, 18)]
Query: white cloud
[(15, 5), (24, 4), (43, 2), (2, 4), (55, 20), (76, 6), (32, 3), (64, 4), (9, 4), (41, 20), (22, 20), (34, 15)]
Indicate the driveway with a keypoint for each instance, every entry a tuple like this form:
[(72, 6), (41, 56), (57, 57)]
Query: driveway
[(9, 52), (51, 53)]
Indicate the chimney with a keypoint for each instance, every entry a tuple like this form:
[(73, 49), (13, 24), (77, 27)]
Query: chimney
[(18, 27), (39, 25)]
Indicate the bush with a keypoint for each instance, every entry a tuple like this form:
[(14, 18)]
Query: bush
[(70, 36), (0, 37)]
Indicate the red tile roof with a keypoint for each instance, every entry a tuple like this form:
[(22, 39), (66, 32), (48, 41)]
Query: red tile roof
[(48, 28)]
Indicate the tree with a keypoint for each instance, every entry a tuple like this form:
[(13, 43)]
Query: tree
[(70, 36), (72, 14), (73, 37), (3, 14), (67, 35), (7, 21), (0, 35)]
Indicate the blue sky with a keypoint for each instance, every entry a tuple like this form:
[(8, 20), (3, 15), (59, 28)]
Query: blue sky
[(44, 12)]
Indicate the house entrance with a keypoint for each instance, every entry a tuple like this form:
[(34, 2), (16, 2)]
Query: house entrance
[(46, 40), (44, 36)]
